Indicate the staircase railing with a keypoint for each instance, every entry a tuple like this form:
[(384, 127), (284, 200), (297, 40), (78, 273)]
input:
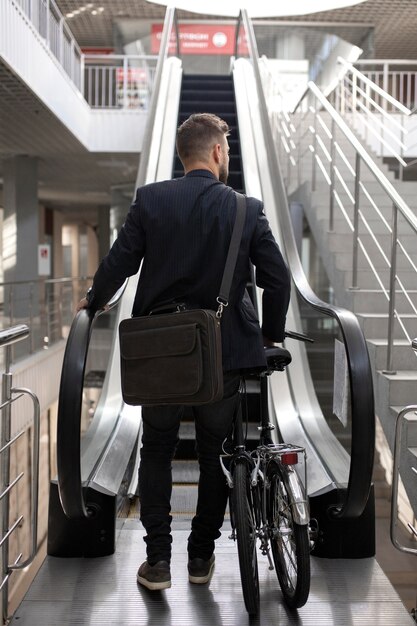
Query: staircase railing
[(49, 22), (400, 445), (11, 394), (46, 305), (376, 114), (381, 224)]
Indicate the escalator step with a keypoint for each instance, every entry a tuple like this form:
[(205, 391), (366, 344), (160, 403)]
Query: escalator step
[(200, 93), (211, 106)]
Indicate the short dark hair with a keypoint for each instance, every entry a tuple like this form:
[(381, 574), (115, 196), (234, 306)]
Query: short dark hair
[(198, 134)]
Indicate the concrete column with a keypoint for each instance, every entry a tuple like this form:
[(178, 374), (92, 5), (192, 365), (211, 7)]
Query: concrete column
[(121, 199), (103, 232), (21, 219)]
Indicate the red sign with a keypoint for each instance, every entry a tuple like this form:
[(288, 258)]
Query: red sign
[(199, 39)]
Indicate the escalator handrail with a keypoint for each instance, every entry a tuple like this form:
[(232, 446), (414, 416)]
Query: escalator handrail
[(69, 479), (70, 407), (360, 373)]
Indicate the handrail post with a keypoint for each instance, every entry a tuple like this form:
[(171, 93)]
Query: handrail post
[(332, 175), (5, 476), (48, 24), (61, 43), (392, 280), (31, 307), (396, 466), (356, 223), (300, 135), (402, 137), (82, 77), (313, 173), (125, 70)]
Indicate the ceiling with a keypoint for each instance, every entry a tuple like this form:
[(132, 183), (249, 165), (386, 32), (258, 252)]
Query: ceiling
[(394, 21), (73, 180)]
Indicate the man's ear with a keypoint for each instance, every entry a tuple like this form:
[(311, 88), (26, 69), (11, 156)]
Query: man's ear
[(217, 149)]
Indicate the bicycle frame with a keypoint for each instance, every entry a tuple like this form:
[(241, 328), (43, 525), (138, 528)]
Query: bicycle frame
[(258, 465)]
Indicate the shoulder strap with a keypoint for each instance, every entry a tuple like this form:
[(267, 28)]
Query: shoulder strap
[(229, 268)]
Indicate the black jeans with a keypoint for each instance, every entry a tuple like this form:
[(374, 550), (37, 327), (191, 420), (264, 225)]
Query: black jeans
[(159, 440)]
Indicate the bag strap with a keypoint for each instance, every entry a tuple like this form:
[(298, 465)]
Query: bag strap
[(229, 268)]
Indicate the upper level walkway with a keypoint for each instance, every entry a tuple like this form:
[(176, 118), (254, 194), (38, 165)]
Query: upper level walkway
[(46, 71)]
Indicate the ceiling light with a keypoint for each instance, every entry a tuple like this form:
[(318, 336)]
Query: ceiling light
[(101, 9), (258, 8), (94, 12), (69, 15), (89, 5)]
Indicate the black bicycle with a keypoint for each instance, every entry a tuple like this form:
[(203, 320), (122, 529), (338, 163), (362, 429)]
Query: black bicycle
[(268, 501)]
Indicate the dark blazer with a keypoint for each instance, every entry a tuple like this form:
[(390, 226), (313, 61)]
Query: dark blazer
[(181, 229)]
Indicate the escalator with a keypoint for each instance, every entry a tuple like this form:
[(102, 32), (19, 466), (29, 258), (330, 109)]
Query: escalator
[(202, 93)]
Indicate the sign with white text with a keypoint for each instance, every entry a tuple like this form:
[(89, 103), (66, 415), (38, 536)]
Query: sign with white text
[(199, 39)]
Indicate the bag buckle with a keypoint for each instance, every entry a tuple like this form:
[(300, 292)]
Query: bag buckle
[(222, 304)]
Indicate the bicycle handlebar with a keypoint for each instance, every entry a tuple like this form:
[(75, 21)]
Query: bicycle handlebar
[(291, 334)]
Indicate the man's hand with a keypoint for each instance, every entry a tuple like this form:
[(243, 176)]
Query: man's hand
[(83, 304), (268, 343)]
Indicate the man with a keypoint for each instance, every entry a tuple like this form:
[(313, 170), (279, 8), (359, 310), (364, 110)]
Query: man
[(181, 229)]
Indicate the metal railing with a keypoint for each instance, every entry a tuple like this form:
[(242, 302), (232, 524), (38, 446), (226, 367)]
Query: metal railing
[(49, 22), (46, 305), (366, 206), (119, 81), (106, 81), (371, 110), (397, 77), (398, 446), (11, 394)]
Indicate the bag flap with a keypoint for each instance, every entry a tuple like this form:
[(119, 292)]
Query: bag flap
[(158, 342)]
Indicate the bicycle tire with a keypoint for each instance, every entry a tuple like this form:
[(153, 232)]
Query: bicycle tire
[(245, 526), (290, 543)]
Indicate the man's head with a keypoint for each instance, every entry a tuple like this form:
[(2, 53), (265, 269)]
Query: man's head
[(202, 144)]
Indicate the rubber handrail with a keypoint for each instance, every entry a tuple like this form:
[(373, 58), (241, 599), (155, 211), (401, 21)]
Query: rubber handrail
[(360, 373), (69, 410), (73, 369)]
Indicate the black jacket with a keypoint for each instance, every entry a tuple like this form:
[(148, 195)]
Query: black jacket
[(181, 229)]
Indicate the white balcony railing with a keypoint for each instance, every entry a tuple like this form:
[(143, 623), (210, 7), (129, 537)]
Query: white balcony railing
[(106, 81), (119, 81), (51, 25)]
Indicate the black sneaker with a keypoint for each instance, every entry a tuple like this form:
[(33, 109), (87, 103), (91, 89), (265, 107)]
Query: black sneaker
[(154, 577), (200, 571)]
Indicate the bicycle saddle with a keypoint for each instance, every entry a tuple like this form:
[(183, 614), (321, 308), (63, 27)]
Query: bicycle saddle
[(277, 358)]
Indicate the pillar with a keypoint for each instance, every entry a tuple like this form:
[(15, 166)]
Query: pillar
[(121, 199), (103, 232), (21, 219), (21, 227)]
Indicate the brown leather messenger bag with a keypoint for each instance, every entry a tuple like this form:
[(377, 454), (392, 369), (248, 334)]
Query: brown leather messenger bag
[(176, 357)]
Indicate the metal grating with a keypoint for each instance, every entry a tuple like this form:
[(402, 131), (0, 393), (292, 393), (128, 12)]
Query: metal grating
[(103, 591), (394, 21)]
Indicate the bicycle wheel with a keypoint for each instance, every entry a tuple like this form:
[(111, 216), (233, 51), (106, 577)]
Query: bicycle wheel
[(244, 523), (289, 542)]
